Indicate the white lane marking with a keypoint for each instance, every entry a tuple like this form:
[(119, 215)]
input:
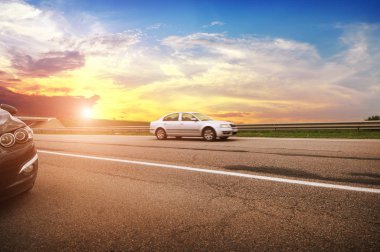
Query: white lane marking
[(234, 174), (43, 137)]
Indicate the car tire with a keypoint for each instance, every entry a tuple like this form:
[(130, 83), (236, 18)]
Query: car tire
[(224, 138), (209, 134), (161, 134)]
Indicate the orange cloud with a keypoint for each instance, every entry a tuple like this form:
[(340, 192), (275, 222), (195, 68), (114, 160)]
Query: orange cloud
[(51, 63), (54, 106)]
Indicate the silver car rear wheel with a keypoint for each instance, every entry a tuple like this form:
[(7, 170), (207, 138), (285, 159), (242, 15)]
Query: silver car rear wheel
[(209, 134), (161, 134)]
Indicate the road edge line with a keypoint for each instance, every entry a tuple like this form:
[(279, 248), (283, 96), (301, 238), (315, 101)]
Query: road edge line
[(226, 173)]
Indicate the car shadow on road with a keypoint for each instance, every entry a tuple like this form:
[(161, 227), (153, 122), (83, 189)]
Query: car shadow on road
[(370, 175), (372, 179), (15, 202), (192, 139)]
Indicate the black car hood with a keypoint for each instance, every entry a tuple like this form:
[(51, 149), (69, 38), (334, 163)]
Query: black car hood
[(8, 122)]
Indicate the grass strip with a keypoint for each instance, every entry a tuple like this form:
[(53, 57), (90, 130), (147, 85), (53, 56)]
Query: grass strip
[(339, 133)]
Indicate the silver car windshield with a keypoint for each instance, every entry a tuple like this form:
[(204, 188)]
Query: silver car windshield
[(203, 117)]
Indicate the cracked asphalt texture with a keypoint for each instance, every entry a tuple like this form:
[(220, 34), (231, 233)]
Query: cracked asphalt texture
[(91, 205)]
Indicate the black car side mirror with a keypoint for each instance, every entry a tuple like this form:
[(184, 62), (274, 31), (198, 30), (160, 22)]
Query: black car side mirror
[(12, 110)]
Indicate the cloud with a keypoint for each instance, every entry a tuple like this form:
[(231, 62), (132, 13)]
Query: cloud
[(154, 26), (51, 63), (35, 41), (23, 20), (273, 72), (39, 105), (108, 44), (231, 114), (7, 78), (214, 23), (13, 80)]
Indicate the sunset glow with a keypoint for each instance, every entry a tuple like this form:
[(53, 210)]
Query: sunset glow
[(87, 113), (231, 63)]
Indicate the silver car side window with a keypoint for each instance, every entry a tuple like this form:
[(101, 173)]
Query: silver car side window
[(187, 117), (171, 117)]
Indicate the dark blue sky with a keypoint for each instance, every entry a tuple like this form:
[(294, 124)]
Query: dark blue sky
[(308, 21)]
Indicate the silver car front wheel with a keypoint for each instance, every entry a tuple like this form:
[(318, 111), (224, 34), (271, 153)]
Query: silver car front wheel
[(209, 134)]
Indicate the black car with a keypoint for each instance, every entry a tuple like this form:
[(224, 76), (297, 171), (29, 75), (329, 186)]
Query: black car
[(18, 155)]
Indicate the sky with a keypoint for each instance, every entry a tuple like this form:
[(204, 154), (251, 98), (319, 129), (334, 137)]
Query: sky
[(242, 61)]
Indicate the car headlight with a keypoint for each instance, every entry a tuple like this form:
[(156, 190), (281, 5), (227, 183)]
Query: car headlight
[(225, 126), (19, 136), (23, 135), (7, 140)]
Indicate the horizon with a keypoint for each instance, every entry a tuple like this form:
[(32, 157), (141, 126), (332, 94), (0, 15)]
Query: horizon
[(246, 61)]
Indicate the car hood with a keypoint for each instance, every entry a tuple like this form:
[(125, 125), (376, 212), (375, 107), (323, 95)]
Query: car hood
[(8, 122), (221, 122)]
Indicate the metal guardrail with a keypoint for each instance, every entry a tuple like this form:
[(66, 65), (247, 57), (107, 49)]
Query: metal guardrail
[(328, 125), (241, 127), (89, 130)]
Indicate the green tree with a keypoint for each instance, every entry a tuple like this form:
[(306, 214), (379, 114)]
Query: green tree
[(373, 118)]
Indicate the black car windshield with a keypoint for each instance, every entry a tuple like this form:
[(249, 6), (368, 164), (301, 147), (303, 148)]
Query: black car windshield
[(203, 117)]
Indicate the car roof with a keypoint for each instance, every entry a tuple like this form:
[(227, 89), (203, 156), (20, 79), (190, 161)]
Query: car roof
[(183, 112), (178, 112)]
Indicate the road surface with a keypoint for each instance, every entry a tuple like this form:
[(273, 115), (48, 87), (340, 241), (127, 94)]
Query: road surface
[(110, 193)]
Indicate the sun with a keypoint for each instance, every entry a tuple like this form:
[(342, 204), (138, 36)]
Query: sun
[(87, 112)]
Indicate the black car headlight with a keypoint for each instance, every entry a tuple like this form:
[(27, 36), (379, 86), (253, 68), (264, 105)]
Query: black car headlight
[(7, 140), (21, 135)]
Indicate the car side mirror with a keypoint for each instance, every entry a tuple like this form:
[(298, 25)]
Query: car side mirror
[(12, 110), (194, 119)]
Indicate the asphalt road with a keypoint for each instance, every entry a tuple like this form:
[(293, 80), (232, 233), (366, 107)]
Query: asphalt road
[(136, 193)]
